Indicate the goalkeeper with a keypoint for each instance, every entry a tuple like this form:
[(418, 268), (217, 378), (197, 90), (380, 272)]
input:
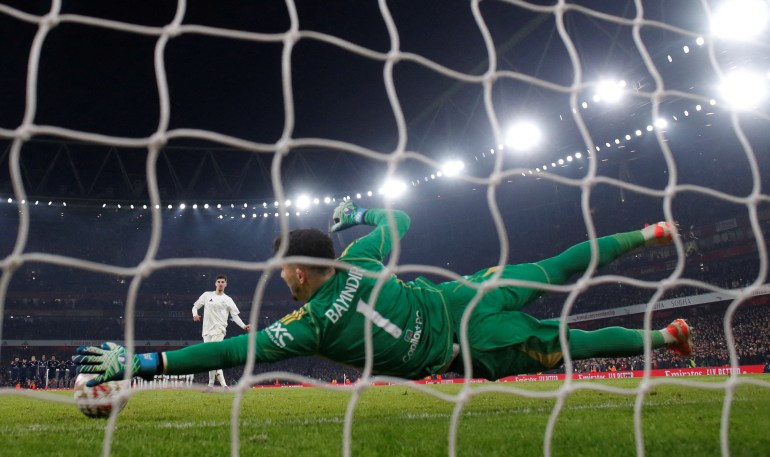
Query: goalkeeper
[(415, 325)]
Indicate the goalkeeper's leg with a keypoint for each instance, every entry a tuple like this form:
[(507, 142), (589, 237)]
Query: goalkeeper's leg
[(575, 260), (512, 342), (558, 269), (623, 342)]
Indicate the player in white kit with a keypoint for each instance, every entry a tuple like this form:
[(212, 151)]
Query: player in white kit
[(218, 307)]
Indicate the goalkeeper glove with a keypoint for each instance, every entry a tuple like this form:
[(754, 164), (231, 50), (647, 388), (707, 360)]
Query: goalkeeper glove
[(109, 362), (346, 215)]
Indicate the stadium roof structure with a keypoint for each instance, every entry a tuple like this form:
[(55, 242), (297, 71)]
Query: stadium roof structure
[(102, 80)]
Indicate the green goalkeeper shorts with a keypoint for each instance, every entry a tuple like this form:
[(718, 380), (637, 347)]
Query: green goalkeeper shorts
[(503, 340)]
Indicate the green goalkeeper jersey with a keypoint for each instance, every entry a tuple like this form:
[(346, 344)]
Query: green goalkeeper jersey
[(411, 329)]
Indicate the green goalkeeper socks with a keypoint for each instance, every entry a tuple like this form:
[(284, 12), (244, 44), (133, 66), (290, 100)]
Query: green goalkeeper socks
[(575, 260), (610, 342)]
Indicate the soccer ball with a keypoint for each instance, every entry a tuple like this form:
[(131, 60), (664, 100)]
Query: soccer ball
[(99, 400)]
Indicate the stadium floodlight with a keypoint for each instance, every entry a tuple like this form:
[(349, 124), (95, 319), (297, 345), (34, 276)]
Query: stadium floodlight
[(219, 206), (609, 91), (303, 202), (206, 206), (523, 136), (104, 205), (327, 200), (740, 19), (195, 206), (661, 123), (452, 167), (743, 89), (316, 201), (358, 196), (182, 206), (169, 206), (578, 155), (369, 193), (700, 41), (393, 188), (10, 200)]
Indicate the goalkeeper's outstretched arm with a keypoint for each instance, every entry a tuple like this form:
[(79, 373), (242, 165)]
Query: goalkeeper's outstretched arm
[(292, 336)]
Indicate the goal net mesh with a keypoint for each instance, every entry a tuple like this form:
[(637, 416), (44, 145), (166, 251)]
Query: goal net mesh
[(577, 118)]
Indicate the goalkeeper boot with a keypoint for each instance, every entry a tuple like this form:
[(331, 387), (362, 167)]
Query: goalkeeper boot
[(659, 234), (682, 333)]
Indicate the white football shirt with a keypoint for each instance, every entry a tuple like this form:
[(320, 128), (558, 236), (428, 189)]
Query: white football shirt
[(218, 308)]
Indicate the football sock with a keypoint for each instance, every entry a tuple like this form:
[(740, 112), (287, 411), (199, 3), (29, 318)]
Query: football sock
[(576, 259), (610, 342)]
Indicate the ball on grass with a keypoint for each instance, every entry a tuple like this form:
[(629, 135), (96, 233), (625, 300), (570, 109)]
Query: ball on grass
[(98, 401)]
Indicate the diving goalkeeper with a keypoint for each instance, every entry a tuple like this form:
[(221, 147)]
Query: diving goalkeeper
[(415, 325)]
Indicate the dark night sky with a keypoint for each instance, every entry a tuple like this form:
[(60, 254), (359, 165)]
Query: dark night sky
[(100, 80)]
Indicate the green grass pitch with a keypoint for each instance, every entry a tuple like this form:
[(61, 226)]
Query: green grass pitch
[(397, 421)]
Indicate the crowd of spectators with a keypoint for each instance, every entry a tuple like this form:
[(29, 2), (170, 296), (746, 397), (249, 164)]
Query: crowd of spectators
[(749, 326), (50, 302)]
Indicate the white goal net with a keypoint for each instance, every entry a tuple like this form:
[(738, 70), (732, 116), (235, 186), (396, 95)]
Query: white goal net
[(148, 146)]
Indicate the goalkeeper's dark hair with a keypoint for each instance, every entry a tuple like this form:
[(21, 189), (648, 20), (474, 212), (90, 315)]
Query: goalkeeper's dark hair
[(309, 242)]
